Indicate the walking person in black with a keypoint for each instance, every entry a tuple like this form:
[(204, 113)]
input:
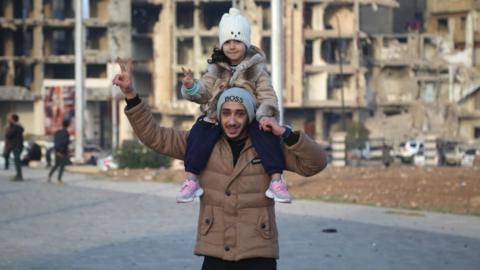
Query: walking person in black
[(6, 150), (61, 141), (14, 143)]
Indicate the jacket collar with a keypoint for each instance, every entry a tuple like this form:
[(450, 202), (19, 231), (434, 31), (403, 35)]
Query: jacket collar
[(246, 156), (254, 56)]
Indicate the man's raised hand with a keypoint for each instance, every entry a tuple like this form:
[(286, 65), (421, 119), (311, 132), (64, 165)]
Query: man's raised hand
[(124, 78)]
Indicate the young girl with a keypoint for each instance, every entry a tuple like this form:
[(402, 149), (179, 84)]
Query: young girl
[(236, 63)]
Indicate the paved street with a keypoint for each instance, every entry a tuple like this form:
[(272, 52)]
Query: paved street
[(94, 223)]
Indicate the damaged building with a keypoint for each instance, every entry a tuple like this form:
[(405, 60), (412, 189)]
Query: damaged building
[(404, 68), (426, 81), (37, 62), (322, 56), (462, 56)]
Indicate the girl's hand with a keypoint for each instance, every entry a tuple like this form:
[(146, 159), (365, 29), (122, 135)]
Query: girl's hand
[(187, 79), (270, 124), (124, 78)]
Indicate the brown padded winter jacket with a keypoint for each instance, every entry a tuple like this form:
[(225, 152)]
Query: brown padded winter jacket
[(236, 220)]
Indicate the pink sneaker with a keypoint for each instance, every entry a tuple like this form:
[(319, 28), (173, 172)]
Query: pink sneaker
[(278, 191), (189, 190)]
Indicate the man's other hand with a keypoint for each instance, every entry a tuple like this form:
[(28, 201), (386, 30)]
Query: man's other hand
[(270, 124)]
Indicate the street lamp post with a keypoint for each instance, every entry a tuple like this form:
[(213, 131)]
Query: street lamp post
[(79, 81), (277, 53), (340, 59)]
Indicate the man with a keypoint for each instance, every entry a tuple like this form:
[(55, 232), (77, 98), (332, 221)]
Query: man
[(236, 227), (61, 141), (14, 143), (34, 153), (386, 156)]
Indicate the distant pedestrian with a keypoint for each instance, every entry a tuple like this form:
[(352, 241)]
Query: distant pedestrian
[(6, 151), (61, 142), (386, 156), (34, 153), (48, 156), (14, 143)]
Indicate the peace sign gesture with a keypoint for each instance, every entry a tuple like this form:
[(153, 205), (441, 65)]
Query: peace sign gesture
[(124, 78), (187, 79)]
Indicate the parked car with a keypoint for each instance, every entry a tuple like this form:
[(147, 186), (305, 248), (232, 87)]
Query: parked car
[(453, 154), (469, 156), (409, 149), (92, 152), (107, 163)]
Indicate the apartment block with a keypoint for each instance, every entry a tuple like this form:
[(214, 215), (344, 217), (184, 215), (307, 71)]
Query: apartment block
[(410, 82), (37, 62), (366, 61), (459, 22), (322, 56)]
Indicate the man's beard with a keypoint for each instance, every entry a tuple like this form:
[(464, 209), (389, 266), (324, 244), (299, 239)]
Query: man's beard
[(241, 136), (234, 125)]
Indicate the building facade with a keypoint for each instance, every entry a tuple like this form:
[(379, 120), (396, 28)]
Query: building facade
[(402, 63), (37, 62)]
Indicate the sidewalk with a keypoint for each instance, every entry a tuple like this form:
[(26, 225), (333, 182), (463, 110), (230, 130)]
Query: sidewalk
[(92, 222)]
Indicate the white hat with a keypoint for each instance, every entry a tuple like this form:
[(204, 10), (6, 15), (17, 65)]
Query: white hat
[(234, 26)]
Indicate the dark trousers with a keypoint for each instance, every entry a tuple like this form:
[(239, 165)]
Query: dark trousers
[(6, 156), (18, 163), (211, 263), (203, 137), (268, 147), (200, 142), (60, 162)]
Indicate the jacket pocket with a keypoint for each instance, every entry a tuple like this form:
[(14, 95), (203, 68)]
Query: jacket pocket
[(206, 221), (264, 226)]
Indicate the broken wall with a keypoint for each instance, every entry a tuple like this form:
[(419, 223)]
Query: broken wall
[(440, 6), (340, 19), (394, 85), (316, 87)]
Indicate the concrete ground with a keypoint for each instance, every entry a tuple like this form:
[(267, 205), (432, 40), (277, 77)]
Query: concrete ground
[(92, 222)]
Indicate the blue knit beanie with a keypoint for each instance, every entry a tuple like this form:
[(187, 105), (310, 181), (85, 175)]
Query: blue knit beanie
[(241, 96)]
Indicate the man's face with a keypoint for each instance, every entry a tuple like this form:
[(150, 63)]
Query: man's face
[(10, 119), (233, 118)]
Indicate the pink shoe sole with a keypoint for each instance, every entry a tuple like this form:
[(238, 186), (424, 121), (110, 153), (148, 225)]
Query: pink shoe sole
[(270, 195), (197, 194)]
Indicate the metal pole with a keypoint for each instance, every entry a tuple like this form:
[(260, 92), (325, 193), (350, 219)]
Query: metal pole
[(277, 53), (79, 82), (114, 121), (340, 56)]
